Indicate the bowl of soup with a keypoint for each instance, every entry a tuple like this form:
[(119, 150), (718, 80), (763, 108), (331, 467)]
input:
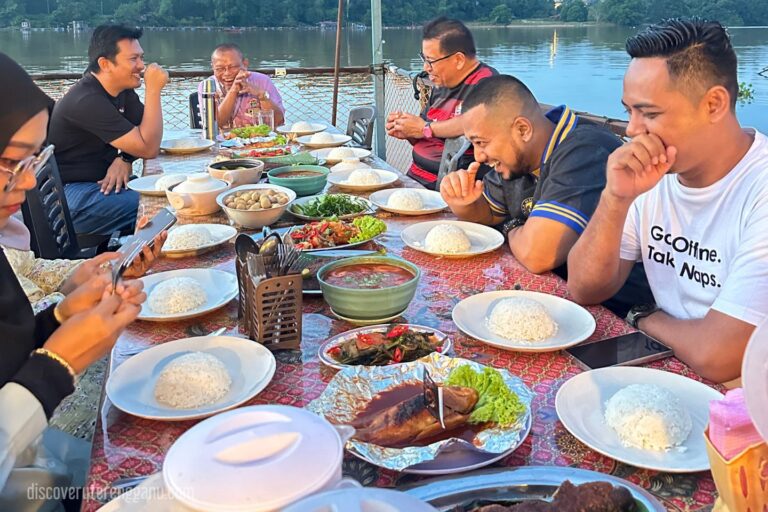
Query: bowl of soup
[(239, 171), (305, 180), (368, 287)]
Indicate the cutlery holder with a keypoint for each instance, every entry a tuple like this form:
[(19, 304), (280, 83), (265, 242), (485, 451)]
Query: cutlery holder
[(272, 310)]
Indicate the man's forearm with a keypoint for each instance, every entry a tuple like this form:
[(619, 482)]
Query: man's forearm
[(151, 127), (226, 109), (448, 129), (713, 349), (594, 261), (478, 212)]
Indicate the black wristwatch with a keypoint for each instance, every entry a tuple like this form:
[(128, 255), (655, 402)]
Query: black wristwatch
[(127, 158), (640, 311), (511, 224)]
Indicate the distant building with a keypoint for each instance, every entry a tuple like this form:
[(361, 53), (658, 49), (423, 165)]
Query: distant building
[(26, 26), (327, 25), (77, 26)]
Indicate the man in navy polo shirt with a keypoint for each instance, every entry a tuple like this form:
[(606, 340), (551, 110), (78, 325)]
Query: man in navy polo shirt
[(550, 171)]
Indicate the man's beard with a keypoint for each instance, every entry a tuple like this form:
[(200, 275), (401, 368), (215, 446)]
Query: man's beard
[(518, 169)]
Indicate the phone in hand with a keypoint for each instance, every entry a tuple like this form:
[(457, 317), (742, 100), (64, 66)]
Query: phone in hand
[(145, 236), (625, 350)]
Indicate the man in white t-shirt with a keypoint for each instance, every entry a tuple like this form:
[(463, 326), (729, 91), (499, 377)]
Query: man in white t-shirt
[(688, 196)]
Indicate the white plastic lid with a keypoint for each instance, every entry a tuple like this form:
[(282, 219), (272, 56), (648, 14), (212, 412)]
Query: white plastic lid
[(255, 458), (365, 499), (200, 182)]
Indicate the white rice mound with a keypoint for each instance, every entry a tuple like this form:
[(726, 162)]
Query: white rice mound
[(364, 177), (192, 380), (447, 239), (405, 199), (339, 153), (648, 417), (301, 126), (190, 236), (322, 138), (522, 320), (165, 182), (176, 295)]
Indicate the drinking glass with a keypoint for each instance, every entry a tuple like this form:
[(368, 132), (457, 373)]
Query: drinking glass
[(266, 117)]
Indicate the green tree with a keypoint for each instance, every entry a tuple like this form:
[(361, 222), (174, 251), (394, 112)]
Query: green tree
[(10, 12), (501, 14), (624, 12), (574, 10)]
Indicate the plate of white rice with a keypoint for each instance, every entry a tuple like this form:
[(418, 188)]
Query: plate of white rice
[(156, 184), (191, 378), (409, 201), (186, 293), (195, 239), (336, 155), (616, 410), (361, 180), (523, 321), (452, 238)]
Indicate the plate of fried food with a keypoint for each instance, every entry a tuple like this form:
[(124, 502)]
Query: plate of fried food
[(335, 234)]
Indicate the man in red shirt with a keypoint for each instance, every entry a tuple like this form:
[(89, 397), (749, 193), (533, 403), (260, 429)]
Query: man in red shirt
[(449, 56)]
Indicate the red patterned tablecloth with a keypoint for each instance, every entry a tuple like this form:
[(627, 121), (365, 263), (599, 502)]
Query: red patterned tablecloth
[(126, 446)]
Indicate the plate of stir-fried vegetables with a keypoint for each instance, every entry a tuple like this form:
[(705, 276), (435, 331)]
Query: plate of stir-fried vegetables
[(382, 345), (336, 234)]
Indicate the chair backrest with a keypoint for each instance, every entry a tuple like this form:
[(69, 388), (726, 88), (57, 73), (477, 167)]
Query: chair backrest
[(195, 121), (47, 217), (360, 125), (453, 150)]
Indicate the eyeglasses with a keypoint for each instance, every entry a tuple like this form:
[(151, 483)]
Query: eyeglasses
[(34, 163), (431, 63), (225, 69)]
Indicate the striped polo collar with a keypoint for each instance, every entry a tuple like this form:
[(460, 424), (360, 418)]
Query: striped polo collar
[(565, 121)]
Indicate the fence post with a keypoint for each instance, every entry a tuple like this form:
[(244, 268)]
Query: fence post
[(379, 75)]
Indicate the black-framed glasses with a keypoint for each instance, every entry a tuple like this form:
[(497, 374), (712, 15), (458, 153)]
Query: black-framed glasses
[(33, 163), (431, 63)]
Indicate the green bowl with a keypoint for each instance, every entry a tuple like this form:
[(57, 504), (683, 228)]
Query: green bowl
[(303, 186), (369, 304)]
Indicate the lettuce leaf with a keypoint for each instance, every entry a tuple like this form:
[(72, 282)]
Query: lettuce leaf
[(497, 403), (369, 227)]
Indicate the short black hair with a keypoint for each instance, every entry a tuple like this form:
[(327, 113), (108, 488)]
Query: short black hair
[(500, 90), (454, 36), (104, 43), (226, 47), (698, 53)]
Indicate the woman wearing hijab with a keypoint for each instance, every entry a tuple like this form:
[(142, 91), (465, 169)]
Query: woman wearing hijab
[(40, 355)]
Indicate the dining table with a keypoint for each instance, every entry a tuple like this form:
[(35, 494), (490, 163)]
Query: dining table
[(127, 446)]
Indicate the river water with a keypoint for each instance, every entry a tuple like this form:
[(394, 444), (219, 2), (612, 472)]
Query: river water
[(580, 66)]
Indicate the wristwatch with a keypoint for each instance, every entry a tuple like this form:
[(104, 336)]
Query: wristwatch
[(264, 96), (512, 224), (427, 130), (640, 311), (127, 158)]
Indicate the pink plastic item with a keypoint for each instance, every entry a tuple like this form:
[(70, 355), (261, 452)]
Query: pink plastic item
[(730, 429)]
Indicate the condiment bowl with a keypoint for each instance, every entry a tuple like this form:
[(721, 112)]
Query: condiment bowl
[(289, 176), (368, 303), (239, 171)]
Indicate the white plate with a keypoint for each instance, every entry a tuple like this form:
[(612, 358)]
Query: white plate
[(580, 405), (315, 128), (324, 154), (482, 238), (185, 145), (574, 323), (220, 288), (131, 386), (340, 179), (303, 200), (219, 232), (146, 185), (433, 201), (338, 140), (325, 358), (754, 376)]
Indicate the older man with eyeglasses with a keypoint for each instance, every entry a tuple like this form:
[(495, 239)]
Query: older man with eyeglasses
[(240, 91), (449, 57)]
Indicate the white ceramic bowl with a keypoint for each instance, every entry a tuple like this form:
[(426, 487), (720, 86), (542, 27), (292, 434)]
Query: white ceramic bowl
[(253, 219), (196, 195), (226, 170)]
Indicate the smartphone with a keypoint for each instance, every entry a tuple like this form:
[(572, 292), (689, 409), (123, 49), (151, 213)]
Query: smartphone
[(626, 350), (162, 220)]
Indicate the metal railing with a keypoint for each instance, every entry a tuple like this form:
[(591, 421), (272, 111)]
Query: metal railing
[(307, 95)]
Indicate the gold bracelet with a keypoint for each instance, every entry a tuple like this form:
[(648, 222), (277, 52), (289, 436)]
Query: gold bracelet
[(56, 357), (57, 314)]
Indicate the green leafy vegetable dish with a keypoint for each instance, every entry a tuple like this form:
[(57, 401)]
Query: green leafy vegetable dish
[(331, 205), (369, 227), (497, 403), (247, 132)]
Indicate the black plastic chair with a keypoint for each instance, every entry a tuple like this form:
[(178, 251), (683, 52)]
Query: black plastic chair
[(453, 150), (195, 121), (47, 217), (360, 125)]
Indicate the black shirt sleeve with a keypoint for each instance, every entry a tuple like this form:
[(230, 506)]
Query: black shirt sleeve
[(45, 324), (94, 113), (47, 379)]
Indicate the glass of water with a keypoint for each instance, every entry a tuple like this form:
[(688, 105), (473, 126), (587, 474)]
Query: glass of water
[(266, 117)]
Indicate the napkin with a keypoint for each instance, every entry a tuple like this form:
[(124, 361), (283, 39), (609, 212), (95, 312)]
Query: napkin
[(730, 429)]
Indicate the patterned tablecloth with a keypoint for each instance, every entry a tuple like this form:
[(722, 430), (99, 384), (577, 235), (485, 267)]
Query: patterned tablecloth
[(126, 446)]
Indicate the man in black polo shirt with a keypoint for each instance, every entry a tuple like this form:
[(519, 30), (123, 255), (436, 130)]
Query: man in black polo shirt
[(550, 171), (100, 127)]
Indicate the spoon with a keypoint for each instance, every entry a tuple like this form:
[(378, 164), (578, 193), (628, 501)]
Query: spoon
[(244, 245)]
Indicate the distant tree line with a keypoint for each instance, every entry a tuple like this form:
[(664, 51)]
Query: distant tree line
[(271, 13)]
